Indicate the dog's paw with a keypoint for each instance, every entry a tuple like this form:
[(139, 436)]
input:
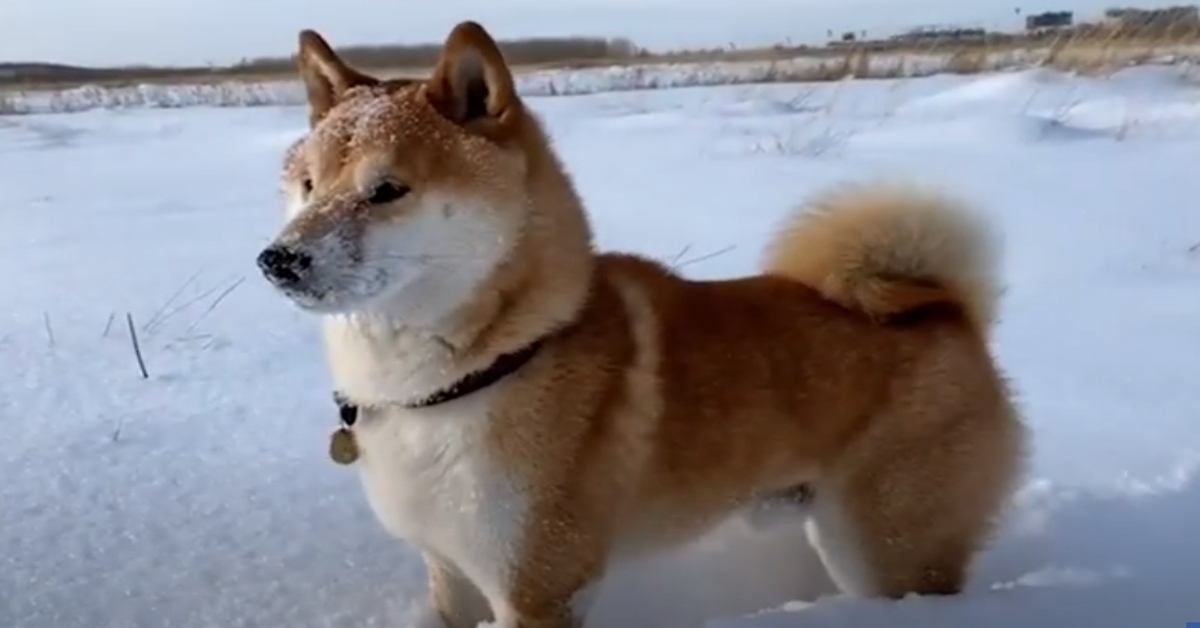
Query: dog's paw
[(423, 617)]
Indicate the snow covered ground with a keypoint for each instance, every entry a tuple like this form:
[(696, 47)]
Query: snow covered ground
[(202, 497)]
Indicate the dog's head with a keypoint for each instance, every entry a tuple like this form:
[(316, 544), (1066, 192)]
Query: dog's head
[(405, 193)]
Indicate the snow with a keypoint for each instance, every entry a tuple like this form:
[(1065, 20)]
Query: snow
[(202, 496)]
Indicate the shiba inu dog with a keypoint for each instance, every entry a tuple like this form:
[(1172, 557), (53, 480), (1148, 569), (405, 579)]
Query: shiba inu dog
[(529, 410)]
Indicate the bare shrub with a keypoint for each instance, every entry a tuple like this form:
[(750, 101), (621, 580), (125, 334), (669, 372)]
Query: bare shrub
[(967, 61)]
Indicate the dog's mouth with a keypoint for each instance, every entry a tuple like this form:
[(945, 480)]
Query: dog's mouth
[(304, 294), (307, 298), (336, 293)]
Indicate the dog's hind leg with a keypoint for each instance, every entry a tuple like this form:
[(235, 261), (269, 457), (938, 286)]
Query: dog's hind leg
[(908, 513)]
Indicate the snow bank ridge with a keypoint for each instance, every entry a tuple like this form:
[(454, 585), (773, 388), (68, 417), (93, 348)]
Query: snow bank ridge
[(556, 82)]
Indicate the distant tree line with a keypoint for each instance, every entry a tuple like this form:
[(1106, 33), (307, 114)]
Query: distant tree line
[(531, 51)]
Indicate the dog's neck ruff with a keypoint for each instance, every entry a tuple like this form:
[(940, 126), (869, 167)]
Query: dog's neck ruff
[(473, 382)]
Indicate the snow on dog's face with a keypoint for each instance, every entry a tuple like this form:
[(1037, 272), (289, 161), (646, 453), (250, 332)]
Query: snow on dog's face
[(405, 195)]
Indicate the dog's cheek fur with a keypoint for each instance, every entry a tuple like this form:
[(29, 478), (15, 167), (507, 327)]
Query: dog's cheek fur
[(434, 256)]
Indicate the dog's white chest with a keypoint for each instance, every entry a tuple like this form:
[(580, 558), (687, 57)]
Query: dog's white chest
[(429, 478)]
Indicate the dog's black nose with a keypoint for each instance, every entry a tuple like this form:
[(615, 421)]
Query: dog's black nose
[(283, 265)]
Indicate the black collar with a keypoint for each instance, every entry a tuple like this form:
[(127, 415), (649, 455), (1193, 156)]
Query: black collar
[(505, 365)]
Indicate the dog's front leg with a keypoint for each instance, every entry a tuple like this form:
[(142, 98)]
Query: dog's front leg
[(456, 599), (556, 576), (559, 618)]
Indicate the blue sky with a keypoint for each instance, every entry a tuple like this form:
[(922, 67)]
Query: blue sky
[(175, 32)]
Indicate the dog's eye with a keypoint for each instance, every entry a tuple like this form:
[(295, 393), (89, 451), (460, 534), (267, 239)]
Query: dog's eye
[(387, 192), (308, 186)]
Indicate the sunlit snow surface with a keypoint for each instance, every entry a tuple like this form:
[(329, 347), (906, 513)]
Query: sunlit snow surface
[(202, 496)]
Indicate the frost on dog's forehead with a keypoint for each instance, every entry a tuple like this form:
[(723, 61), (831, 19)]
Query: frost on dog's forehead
[(368, 116), (386, 125)]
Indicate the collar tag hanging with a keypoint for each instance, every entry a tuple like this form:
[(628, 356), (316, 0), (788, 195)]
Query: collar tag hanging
[(343, 447)]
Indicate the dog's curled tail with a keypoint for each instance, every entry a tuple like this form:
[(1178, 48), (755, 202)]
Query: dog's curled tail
[(891, 248)]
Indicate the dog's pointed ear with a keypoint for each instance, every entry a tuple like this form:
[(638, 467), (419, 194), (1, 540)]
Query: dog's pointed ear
[(326, 76), (472, 84)]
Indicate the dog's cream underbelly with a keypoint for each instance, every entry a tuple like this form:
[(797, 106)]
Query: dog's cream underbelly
[(428, 479)]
